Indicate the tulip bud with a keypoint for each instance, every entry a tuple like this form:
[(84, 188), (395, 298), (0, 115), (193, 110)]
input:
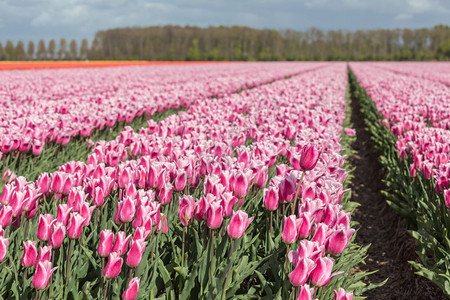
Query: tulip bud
[(289, 234), (180, 181), (287, 189), (43, 229), (135, 253), (321, 275), (215, 216), (133, 287), (57, 234), (29, 254), (342, 295), (339, 240), (75, 227), (45, 254), (127, 211), (105, 245), (114, 266), (165, 194), (270, 199), (186, 209), (241, 185), (121, 243), (5, 215), (42, 275), (3, 247), (301, 272), (238, 224), (309, 157), (306, 293)]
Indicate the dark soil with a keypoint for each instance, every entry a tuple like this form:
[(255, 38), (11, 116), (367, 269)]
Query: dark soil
[(380, 226)]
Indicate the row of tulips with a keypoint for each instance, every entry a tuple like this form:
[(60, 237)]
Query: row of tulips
[(42, 106), (414, 141), (435, 71), (240, 197)]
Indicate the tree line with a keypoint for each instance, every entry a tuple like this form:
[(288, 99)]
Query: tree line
[(242, 44)]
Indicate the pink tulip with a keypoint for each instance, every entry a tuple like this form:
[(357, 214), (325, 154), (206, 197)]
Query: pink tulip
[(105, 245), (63, 213), (241, 185), (45, 254), (309, 157), (214, 215), (447, 198), (165, 194), (99, 197), (57, 234), (134, 256), (305, 225), (3, 247), (43, 183), (5, 215), (29, 254), (127, 210), (42, 275), (75, 227), (43, 229), (301, 272), (289, 234), (186, 209), (270, 199), (306, 293), (350, 131), (6, 194), (57, 183), (238, 224), (113, 266), (342, 295), (121, 243), (180, 181), (339, 240), (228, 201), (133, 287), (321, 275), (287, 189)]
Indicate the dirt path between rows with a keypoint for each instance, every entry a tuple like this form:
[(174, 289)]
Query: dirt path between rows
[(392, 247)]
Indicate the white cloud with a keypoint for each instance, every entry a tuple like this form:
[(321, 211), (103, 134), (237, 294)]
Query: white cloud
[(403, 17)]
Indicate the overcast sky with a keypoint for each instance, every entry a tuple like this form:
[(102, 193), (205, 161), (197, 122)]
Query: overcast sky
[(34, 19)]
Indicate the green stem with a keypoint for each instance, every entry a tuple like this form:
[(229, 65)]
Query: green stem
[(296, 193), (224, 291), (106, 289), (68, 261), (182, 247), (212, 255)]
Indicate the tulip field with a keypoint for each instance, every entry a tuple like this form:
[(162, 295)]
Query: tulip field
[(214, 181)]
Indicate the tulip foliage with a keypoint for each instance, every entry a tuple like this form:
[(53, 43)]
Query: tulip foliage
[(409, 120), (239, 197)]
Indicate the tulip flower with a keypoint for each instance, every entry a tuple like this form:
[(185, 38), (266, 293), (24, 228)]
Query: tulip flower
[(321, 275), (270, 199), (241, 185), (301, 272), (3, 247), (214, 215), (29, 254), (121, 243), (309, 157), (127, 210), (63, 213), (5, 215), (286, 191), (180, 181), (165, 194), (75, 227), (114, 266), (45, 254), (342, 295), (57, 183), (105, 245), (186, 209), (289, 234), (43, 229), (339, 240), (42, 275), (135, 253), (306, 293), (238, 224), (57, 234), (133, 287)]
